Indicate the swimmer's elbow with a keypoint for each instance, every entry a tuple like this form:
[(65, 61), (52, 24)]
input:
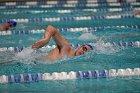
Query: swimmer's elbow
[(51, 28)]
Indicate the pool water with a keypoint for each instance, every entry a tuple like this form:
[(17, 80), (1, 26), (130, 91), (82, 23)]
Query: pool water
[(102, 57)]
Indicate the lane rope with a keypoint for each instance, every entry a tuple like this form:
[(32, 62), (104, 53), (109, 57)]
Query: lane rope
[(84, 4), (90, 74), (79, 18), (108, 44), (80, 29), (68, 11)]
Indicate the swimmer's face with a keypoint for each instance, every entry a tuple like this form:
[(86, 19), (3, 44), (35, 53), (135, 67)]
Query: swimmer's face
[(81, 50), (7, 26)]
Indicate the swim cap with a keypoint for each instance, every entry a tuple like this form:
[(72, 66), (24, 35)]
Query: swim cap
[(12, 23), (91, 47)]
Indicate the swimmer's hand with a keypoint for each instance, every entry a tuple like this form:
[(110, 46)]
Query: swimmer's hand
[(39, 44)]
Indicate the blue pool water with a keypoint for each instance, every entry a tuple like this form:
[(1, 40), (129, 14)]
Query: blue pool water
[(111, 57)]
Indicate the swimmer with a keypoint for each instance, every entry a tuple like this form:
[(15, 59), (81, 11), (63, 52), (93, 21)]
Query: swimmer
[(8, 25), (63, 48), (137, 12)]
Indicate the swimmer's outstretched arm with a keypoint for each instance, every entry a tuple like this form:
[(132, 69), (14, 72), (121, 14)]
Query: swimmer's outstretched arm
[(51, 32), (137, 13), (1, 27)]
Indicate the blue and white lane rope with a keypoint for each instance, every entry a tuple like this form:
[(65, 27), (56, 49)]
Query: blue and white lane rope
[(61, 3), (96, 74), (68, 11), (81, 29), (80, 18), (115, 44), (66, 5), (54, 2)]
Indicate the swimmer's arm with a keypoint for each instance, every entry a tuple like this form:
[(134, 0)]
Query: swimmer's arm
[(58, 38), (137, 13), (1, 27), (43, 41), (51, 32)]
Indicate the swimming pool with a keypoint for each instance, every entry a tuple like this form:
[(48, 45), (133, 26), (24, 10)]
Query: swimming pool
[(111, 28)]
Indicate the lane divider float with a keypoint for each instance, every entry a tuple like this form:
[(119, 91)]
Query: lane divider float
[(90, 74), (115, 44)]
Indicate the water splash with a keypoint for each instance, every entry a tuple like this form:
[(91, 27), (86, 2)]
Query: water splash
[(6, 57), (25, 53), (31, 56), (21, 26), (87, 36), (101, 48)]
